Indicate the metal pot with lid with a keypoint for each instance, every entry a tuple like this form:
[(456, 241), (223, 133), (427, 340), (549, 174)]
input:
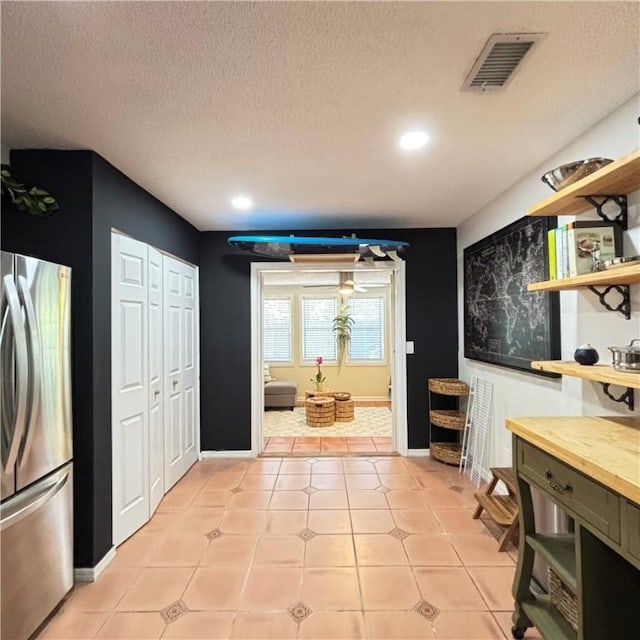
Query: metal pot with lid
[(626, 358)]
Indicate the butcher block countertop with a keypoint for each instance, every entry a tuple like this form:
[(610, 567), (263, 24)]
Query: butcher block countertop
[(606, 449)]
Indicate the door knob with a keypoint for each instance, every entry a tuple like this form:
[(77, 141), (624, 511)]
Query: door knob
[(175, 384), (156, 393)]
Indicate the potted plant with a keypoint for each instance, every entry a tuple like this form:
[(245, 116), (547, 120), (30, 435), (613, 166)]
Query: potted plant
[(342, 325)]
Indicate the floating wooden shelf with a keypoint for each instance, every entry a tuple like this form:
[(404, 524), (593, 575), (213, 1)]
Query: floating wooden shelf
[(619, 177), (598, 372), (626, 274)]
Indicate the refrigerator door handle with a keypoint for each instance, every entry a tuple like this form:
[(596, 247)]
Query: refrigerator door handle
[(35, 366), (30, 503), (22, 378)]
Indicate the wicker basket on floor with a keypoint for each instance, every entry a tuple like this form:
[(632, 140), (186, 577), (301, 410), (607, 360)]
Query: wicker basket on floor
[(563, 599), (447, 452), (448, 386)]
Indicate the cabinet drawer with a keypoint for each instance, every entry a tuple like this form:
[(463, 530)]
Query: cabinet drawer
[(631, 529), (589, 500)]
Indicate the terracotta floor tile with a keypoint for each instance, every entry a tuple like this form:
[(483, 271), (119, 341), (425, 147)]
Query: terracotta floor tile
[(243, 521), (330, 499), (309, 449), (295, 466), (479, 550), (416, 520), (271, 588), (398, 481), (105, 593), (432, 550), (330, 550), (179, 550), (330, 444), (467, 625), (265, 626), (388, 588), (362, 448), (201, 625), (224, 481), (132, 626), (73, 625), (278, 448), (357, 481), (217, 588), (372, 521), (293, 482), (177, 498), (289, 500), (258, 482), (359, 440), (329, 521), (260, 466), (136, 551), (385, 448), (283, 522), (219, 499), (331, 589), (230, 551), (280, 440), (327, 481), (163, 522), (250, 500), (345, 625), (458, 520), (494, 584), (390, 465), (307, 440), (406, 500), (449, 588), (379, 550), (444, 498), (154, 589), (397, 625), (367, 499), (356, 466), (504, 622), (327, 466), (196, 520), (283, 551), (382, 439)]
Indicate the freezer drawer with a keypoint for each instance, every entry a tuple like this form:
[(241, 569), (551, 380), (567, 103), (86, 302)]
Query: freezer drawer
[(36, 539)]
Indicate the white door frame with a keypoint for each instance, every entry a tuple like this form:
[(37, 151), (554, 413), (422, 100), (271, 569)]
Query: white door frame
[(398, 344)]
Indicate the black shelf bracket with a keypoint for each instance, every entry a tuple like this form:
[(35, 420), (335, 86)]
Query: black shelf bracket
[(598, 202), (627, 397), (623, 307)]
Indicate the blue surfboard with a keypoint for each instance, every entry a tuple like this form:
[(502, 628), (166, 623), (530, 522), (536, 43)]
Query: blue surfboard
[(283, 247)]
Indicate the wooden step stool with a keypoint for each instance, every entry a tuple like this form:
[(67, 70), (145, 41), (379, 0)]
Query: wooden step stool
[(502, 509)]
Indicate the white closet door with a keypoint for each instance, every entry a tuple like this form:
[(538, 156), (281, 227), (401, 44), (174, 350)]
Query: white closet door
[(156, 409), (180, 367), (129, 386)]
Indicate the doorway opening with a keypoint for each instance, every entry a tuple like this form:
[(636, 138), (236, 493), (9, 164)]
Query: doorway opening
[(358, 407)]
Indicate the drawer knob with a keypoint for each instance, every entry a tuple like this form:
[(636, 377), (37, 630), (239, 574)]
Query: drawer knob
[(556, 486)]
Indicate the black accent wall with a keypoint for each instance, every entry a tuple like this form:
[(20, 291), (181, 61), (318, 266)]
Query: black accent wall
[(94, 197), (225, 341)]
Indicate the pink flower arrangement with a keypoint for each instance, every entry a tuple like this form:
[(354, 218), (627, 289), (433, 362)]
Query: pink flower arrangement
[(319, 378)]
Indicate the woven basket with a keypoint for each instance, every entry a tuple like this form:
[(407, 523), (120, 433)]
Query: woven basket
[(448, 418), (448, 386), (342, 395), (447, 452), (562, 599)]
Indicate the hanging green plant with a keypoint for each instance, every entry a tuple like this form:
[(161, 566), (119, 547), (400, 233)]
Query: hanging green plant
[(342, 325), (34, 200)]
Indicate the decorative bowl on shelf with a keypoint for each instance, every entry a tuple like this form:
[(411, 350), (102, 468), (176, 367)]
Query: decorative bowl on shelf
[(567, 174)]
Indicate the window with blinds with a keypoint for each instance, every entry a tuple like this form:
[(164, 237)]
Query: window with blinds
[(367, 334), (276, 318), (318, 339)]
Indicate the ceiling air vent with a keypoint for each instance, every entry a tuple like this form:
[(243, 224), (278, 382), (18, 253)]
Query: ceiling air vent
[(500, 57)]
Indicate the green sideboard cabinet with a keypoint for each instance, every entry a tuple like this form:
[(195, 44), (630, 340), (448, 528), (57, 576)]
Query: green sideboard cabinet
[(590, 468)]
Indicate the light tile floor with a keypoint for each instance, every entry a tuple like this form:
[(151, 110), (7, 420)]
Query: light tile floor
[(326, 548), (328, 445)]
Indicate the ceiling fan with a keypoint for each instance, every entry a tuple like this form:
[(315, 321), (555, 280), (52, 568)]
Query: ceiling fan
[(346, 286)]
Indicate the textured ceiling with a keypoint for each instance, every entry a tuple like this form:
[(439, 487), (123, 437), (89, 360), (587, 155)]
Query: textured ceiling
[(300, 104)]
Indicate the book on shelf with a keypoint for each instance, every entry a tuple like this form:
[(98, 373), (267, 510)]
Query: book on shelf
[(581, 245)]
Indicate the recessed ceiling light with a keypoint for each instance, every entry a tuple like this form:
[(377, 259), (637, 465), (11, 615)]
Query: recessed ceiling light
[(242, 202), (413, 140)]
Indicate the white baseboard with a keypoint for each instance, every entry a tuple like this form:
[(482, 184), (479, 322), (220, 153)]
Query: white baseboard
[(417, 453), (225, 454), (90, 574)]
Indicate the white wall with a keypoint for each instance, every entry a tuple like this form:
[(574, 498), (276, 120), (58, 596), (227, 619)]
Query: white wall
[(582, 317)]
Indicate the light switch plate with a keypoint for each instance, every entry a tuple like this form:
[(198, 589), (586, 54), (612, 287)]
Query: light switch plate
[(410, 350)]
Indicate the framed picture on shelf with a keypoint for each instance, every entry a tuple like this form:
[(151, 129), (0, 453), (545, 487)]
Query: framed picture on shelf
[(504, 324)]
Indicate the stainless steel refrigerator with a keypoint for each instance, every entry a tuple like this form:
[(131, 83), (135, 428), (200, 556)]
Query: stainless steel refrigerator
[(36, 508)]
